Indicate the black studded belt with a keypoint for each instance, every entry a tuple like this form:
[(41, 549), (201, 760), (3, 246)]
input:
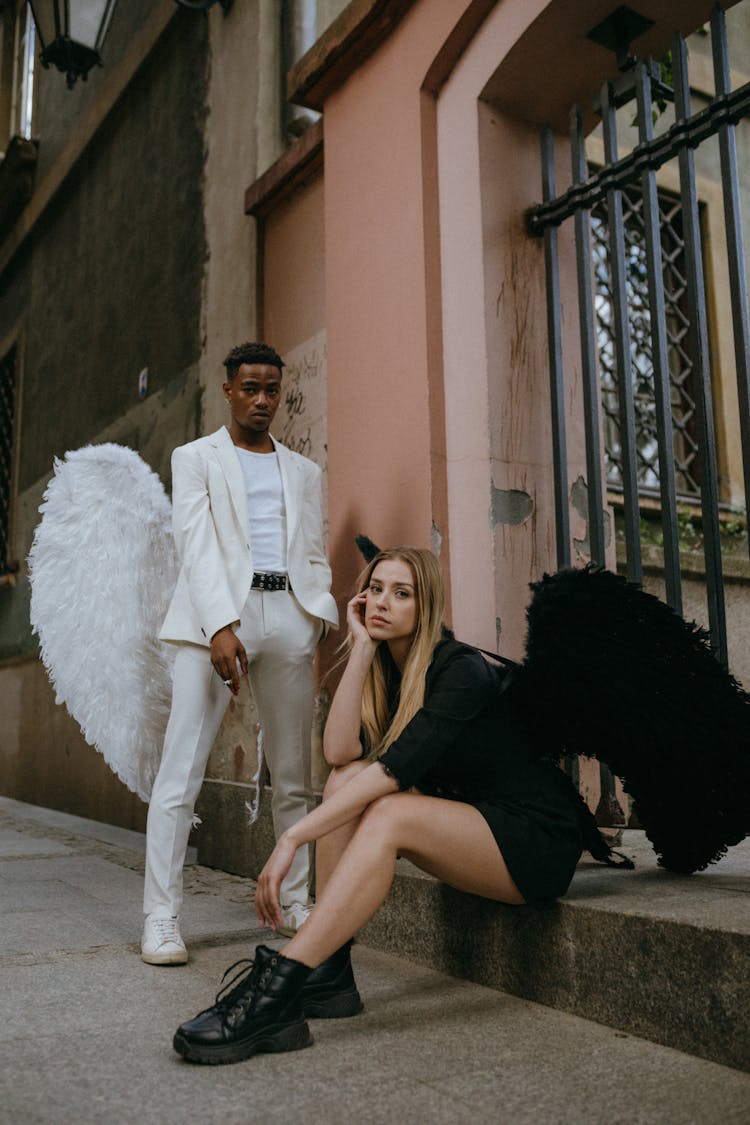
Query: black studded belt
[(270, 582)]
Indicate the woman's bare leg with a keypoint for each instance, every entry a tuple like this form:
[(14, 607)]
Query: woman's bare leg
[(449, 839), (329, 849)]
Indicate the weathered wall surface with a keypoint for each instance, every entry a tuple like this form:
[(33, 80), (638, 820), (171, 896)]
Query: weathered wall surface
[(242, 128), (111, 283), (117, 261), (59, 111), (44, 759)]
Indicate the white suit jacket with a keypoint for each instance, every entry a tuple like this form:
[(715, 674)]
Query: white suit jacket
[(212, 538)]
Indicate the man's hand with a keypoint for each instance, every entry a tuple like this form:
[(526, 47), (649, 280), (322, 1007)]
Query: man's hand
[(227, 651)]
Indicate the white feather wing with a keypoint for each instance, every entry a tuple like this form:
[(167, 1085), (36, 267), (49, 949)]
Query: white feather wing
[(102, 569)]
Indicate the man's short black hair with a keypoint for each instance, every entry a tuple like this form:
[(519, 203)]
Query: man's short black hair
[(251, 353)]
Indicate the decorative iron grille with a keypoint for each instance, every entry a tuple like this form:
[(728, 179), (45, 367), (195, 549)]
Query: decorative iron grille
[(683, 411), (7, 428), (680, 365)]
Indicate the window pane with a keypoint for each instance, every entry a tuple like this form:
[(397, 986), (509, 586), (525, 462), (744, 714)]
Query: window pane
[(26, 64), (678, 327)]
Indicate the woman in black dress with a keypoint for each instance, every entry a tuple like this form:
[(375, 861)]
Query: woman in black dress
[(430, 763)]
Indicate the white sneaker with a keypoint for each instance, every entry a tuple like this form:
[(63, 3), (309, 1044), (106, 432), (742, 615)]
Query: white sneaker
[(292, 917), (162, 943)]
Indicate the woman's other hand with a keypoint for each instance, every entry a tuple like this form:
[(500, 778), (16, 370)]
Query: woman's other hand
[(355, 619), (269, 882), (341, 737)]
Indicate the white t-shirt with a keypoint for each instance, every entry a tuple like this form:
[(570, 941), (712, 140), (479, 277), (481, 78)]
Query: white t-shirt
[(265, 510)]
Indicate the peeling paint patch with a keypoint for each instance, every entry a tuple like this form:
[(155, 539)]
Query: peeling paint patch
[(579, 500), (436, 540), (510, 506), (579, 497)]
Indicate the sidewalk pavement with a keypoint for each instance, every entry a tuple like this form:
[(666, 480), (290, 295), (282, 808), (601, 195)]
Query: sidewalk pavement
[(86, 1030)]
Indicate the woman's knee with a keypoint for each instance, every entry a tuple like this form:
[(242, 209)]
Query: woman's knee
[(385, 815)]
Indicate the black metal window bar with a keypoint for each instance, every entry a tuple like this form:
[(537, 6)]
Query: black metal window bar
[(640, 80), (680, 365), (7, 444)]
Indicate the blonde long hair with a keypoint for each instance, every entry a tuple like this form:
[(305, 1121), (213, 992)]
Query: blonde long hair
[(379, 728)]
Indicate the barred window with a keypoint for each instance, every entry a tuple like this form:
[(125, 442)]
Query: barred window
[(8, 390), (681, 372)]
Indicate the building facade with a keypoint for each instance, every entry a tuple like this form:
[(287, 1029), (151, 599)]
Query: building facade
[(373, 225)]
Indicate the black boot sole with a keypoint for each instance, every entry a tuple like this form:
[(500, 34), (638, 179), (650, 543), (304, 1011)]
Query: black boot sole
[(337, 1006), (288, 1037)]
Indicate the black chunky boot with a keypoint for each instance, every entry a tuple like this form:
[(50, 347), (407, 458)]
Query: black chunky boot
[(330, 993), (259, 1009)]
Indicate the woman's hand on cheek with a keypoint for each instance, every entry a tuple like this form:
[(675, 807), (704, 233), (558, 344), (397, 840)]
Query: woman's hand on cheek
[(269, 883), (355, 618)]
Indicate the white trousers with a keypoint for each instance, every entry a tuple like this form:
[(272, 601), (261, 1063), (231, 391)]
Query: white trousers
[(280, 638)]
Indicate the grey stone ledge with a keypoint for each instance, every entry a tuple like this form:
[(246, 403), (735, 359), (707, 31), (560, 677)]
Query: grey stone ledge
[(661, 956)]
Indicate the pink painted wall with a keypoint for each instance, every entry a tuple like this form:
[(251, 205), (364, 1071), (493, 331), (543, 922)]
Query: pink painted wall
[(499, 445), (381, 392), (493, 346)]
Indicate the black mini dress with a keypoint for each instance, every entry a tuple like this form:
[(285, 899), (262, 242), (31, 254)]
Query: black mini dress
[(468, 743)]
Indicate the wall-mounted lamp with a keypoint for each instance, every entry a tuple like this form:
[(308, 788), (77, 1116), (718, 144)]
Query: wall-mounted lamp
[(71, 33), (204, 5)]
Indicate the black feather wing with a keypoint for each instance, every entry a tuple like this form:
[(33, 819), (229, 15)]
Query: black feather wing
[(612, 672)]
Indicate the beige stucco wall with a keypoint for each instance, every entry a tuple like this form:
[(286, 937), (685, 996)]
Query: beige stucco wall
[(294, 269), (243, 137)]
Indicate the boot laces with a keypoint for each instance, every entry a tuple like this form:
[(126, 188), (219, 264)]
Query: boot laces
[(236, 996)]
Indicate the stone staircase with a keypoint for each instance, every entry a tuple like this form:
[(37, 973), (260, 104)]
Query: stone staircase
[(661, 956)]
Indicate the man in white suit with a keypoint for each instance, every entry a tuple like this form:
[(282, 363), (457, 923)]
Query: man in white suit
[(252, 598)]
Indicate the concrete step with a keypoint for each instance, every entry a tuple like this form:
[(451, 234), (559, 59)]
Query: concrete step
[(662, 956)]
